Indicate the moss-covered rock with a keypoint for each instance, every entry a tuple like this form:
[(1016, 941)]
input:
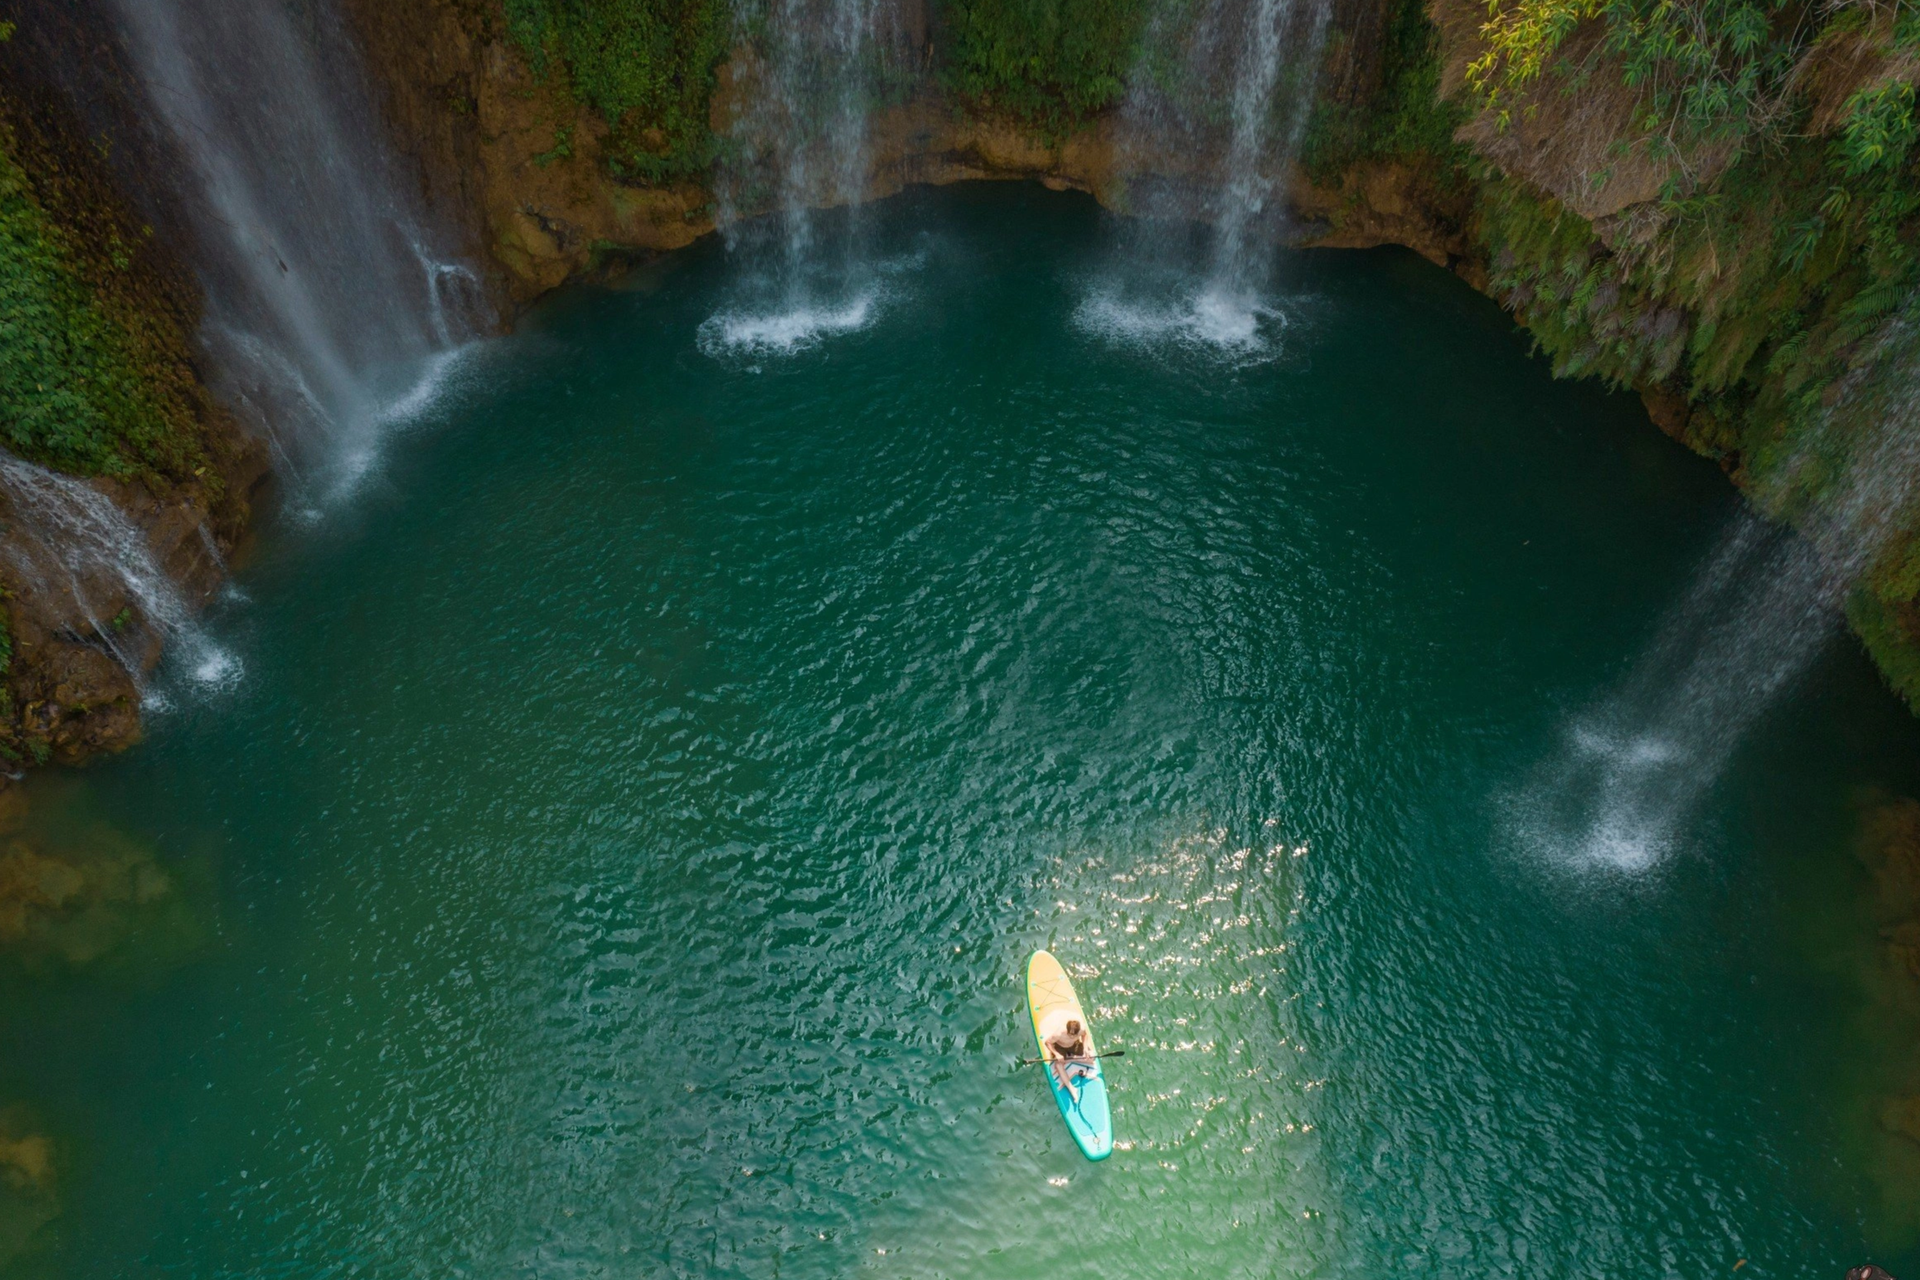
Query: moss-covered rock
[(95, 372)]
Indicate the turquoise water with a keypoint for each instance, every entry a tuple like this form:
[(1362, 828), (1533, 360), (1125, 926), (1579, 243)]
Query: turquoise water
[(622, 850)]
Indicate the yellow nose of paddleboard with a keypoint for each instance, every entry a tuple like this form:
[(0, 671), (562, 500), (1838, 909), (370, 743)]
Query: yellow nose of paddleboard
[(1052, 1001)]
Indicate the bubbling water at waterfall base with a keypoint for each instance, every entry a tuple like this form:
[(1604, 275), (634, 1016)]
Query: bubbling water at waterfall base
[(790, 197), (1192, 264), (1633, 770), (71, 542)]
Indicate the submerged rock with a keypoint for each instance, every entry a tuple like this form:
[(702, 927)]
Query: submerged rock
[(1902, 1116), (1890, 849), (28, 1192), (74, 908), (76, 891)]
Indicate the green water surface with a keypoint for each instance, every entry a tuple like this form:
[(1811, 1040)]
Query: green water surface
[(621, 852)]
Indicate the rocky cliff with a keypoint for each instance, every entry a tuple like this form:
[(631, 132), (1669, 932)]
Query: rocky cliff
[(547, 186), (1720, 220), (102, 402)]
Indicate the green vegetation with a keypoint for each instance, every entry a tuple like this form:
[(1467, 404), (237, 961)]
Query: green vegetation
[(647, 66), (1402, 119), (1749, 295), (1705, 67), (1051, 64), (1764, 284), (80, 386), (562, 148)]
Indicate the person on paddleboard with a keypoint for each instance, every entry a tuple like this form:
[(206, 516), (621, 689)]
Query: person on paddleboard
[(1070, 1060)]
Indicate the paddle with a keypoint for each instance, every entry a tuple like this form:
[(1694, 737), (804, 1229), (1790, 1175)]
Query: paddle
[(1111, 1053)]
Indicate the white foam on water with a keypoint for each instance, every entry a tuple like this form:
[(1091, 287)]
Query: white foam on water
[(786, 332), (1241, 327), (196, 665), (1608, 838), (1613, 801), (215, 667)]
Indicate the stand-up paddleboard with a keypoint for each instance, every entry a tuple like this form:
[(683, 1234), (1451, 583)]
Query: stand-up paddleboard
[(1051, 1001)]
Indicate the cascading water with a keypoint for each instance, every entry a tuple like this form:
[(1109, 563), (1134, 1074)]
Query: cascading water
[(70, 542), (801, 143), (331, 312), (1633, 769), (1214, 291)]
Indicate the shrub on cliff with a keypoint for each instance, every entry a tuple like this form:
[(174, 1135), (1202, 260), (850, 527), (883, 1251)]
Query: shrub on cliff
[(1404, 118), (647, 66), (79, 388), (1051, 64), (1703, 66)]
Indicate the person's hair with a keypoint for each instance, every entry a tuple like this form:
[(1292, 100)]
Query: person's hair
[(1073, 1024)]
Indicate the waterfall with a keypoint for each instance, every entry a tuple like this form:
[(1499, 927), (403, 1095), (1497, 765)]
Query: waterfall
[(1632, 768), (1259, 148), (77, 548), (1230, 196), (331, 310), (800, 146)]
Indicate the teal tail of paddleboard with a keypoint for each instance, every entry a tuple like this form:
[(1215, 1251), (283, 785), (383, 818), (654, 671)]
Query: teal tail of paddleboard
[(1088, 1120)]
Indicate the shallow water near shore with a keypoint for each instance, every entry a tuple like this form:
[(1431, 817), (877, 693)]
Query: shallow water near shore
[(641, 799)]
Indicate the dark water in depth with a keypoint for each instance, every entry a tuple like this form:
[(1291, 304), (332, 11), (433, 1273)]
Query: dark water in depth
[(628, 835)]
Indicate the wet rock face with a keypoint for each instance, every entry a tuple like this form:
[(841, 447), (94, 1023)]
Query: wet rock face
[(75, 641), (511, 156), (71, 697), (82, 637), (76, 701), (96, 574), (524, 164)]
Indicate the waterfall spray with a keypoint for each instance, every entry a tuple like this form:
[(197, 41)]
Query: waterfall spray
[(1634, 767), (72, 543), (1268, 51), (1254, 165), (802, 146), (328, 307)]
